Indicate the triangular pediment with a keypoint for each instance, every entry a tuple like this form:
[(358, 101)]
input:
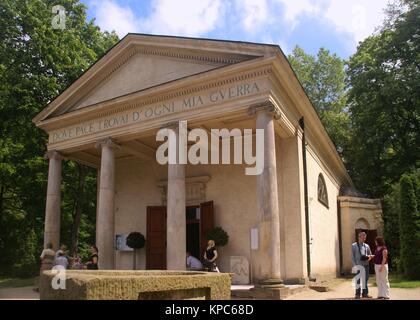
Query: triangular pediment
[(139, 62), (142, 71)]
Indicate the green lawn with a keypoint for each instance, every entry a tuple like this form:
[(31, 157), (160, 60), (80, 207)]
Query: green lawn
[(397, 281), (15, 282)]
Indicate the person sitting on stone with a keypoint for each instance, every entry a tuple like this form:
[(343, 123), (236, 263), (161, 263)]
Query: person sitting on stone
[(77, 264), (63, 248), (193, 263), (61, 259)]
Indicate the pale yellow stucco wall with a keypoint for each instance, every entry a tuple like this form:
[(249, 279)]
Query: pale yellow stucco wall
[(357, 213), (324, 247), (235, 209), (233, 194)]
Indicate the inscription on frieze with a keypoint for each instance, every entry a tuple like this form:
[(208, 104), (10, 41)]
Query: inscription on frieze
[(154, 111)]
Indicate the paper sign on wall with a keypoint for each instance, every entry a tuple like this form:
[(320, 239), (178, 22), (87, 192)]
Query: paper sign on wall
[(254, 239)]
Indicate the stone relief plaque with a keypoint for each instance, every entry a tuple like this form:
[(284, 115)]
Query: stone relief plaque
[(239, 266)]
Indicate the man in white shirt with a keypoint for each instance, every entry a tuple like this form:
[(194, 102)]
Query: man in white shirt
[(193, 263)]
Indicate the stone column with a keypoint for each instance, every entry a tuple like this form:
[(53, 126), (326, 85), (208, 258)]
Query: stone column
[(53, 203), (105, 217), (176, 216), (267, 198)]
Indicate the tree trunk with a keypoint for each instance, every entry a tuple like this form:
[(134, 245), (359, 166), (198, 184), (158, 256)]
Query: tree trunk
[(134, 259), (78, 210)]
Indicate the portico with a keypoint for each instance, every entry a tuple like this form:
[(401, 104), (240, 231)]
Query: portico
[(108, 119)]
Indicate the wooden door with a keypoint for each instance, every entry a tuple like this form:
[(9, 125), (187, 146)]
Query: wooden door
[(206, 223), (156, 238)]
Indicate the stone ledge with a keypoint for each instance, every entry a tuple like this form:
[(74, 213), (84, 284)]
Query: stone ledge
[(134, 285)]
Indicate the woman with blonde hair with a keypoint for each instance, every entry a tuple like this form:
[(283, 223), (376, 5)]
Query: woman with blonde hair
[(210, 256)]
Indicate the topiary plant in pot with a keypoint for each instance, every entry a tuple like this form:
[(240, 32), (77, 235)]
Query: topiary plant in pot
[(135, 240), (218, 235)]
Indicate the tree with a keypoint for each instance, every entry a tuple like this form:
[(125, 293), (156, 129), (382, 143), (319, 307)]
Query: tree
[(37, 62), (323, 78), (410, 227), (391, 216), (384, 102), (218, 235), (135, 240)]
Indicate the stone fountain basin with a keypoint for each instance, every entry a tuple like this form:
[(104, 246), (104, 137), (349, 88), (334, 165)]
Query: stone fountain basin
[(136, 285)]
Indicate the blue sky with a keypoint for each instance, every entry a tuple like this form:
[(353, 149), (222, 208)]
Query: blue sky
[(337, 25)]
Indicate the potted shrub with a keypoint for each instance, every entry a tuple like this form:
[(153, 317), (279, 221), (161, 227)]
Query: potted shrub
[(135, 240), (218, 235)]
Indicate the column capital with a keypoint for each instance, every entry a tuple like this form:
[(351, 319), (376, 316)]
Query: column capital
[(267, 107), (109, 142), (53, 154)]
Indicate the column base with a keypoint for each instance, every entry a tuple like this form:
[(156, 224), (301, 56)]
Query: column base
[(271, 289), (270, 283)]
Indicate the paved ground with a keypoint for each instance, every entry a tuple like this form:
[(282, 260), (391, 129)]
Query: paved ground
[(22, 293), (342, 290)]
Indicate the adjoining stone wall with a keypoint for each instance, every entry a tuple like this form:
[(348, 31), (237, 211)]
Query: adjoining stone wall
[(134, 285), (357, 213), (325, 255)]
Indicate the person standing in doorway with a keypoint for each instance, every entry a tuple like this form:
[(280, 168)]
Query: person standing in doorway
[(381, 268), (360, 257)]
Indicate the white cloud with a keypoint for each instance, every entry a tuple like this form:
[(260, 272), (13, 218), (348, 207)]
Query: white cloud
[(183, 17), (295, 8), (112, 16), (252, 13), (260, 19), (358, 17)]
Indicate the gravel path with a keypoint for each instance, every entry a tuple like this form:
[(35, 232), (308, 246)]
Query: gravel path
[(22, 293), (345, 290)]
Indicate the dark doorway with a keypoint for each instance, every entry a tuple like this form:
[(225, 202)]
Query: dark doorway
[(193, 231), (206, 223), (156, 238), (370, 240), (199, 220)]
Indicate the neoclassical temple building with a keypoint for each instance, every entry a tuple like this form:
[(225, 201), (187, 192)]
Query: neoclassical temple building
[(294, 221)]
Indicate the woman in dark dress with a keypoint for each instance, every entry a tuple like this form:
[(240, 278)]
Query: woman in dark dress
[(92, 264), (210, 256)]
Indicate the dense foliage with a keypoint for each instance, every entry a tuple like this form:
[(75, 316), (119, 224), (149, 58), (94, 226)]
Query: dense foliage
[(410, 226), (323, 78), (384, 102), (37, 62)]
